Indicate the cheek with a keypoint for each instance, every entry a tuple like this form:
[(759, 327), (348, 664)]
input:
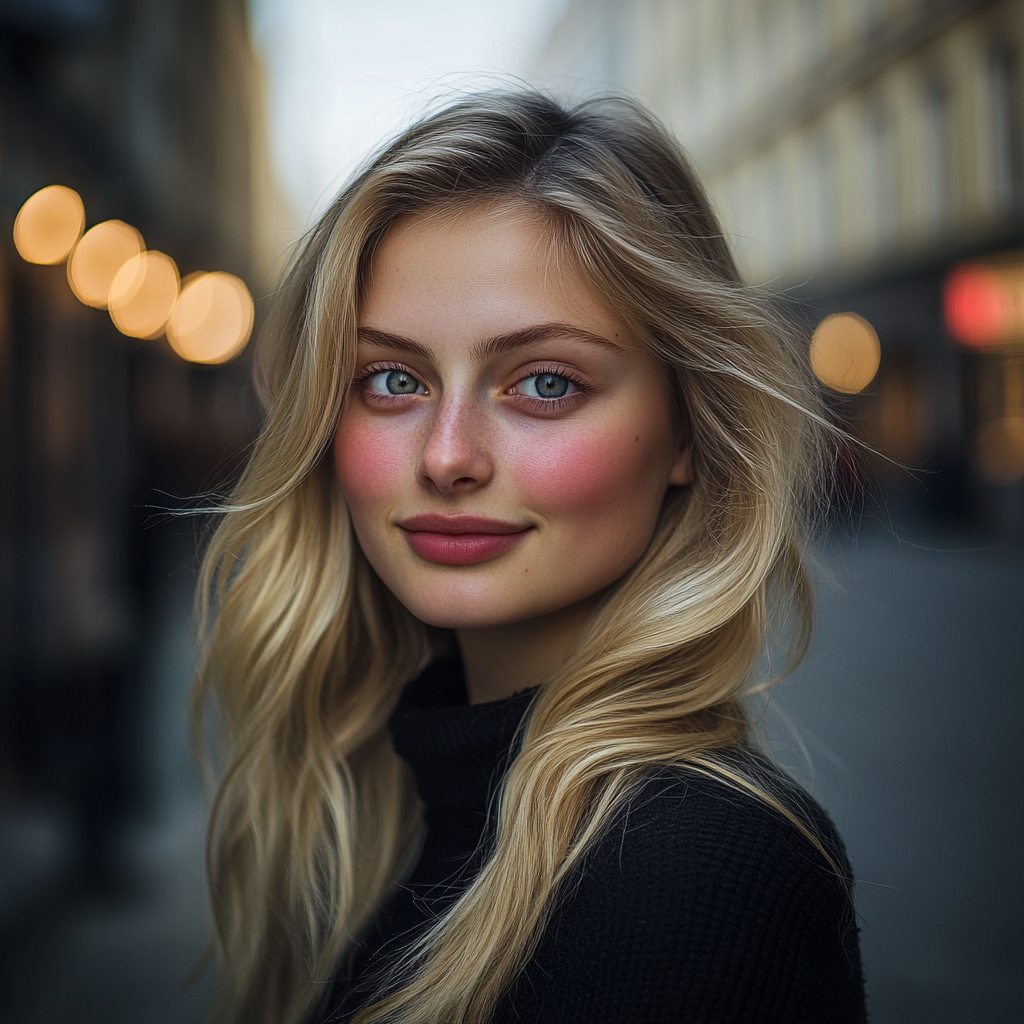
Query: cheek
[(370, 461), (596, 474)]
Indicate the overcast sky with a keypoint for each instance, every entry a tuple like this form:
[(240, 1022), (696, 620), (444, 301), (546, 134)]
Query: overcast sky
[(341, 75)]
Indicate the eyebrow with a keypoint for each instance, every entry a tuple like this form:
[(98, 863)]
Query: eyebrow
[(383, 339), (492, 346)]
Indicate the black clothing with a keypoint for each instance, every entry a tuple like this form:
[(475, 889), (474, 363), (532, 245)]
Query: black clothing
[(699, 905)]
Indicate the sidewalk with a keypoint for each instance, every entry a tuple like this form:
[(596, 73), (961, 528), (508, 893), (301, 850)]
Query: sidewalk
[(123, 958), (910, 706)]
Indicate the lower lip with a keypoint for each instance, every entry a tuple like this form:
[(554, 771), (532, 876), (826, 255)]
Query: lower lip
[(461, 548)]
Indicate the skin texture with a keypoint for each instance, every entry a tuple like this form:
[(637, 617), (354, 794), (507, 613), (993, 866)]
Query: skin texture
[(579, 478)]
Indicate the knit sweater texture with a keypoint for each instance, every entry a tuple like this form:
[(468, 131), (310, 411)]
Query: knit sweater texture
[(699, 905)]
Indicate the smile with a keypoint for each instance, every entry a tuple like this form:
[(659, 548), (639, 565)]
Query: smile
[(460, 540)]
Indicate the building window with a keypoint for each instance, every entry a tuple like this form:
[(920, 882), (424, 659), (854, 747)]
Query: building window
[(731, 57), (870, 13), (815, 30), (880, 186), (937, 178), (1004, 107), (820, 215), (779, 214), (772, 41)]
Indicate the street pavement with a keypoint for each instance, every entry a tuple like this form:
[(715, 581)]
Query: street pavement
[(905, 721)]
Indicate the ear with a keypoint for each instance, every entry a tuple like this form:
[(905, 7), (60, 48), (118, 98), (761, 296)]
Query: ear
[(681, 472)]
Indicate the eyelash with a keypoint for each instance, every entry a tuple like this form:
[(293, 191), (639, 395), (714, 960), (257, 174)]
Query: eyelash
[(548, 404), (372, 371)]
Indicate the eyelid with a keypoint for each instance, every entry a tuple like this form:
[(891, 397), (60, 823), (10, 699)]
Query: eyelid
[(383, 367), (375, 369), (556, 371), (543, 366), (582, 386), (550, 406)]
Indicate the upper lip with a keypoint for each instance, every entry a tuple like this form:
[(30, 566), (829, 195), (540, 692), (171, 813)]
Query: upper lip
[(433, 522)]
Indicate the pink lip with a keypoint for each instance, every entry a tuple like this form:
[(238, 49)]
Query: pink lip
[(460, 539)]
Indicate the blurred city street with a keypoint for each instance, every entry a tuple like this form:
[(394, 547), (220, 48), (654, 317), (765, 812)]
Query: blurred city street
[(158, 158)]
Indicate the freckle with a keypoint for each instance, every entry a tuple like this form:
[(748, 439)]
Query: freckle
[(637, 438)]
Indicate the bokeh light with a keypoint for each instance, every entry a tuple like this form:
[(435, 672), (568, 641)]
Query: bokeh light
[(997, 450), (143, 294), (975, 305), (48, 224), (100, 253), (845, 353), (212, 320)]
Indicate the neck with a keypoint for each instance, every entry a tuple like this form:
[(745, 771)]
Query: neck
[(502, 660)]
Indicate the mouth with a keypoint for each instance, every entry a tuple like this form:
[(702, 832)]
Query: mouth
[(460, 539)]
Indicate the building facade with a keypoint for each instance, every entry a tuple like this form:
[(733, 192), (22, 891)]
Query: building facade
[(151, 111), (857, 150)]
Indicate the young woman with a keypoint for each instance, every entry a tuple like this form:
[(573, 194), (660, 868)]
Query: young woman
[(526, 511)]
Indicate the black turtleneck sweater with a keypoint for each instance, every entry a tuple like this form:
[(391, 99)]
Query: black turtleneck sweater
[(700, 905)]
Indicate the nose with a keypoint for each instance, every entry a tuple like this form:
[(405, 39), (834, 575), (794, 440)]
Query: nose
[(455, 457)]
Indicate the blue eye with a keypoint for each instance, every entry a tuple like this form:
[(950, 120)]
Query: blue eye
[(395, 382), (545, 385)]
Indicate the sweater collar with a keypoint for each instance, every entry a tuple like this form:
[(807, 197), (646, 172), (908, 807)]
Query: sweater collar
[(458, 751)]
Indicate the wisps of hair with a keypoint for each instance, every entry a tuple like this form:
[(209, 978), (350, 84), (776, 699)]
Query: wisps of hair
[(306, 652)]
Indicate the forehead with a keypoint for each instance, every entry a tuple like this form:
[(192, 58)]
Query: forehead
[(478, 272)]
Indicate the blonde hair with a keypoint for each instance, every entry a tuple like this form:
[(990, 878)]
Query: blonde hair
[(306, 652)]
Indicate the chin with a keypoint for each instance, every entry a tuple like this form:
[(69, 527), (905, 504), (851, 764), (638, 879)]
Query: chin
[(463, 615), (469, 607)]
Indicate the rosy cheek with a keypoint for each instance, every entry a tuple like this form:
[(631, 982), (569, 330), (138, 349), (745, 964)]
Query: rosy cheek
[(590, 473), (371, 458)]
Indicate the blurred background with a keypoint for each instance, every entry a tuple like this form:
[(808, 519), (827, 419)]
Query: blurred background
[(868, 161)]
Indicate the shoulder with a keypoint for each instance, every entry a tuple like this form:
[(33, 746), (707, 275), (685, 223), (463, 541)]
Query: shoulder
[(691, 856), (684, 825), (703, 903)]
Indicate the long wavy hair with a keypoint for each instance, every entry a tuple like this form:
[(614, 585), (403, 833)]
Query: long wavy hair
[(305, 651)]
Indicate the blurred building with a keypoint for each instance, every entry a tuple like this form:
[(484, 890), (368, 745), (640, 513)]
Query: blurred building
[(858, 150), (151, 111)]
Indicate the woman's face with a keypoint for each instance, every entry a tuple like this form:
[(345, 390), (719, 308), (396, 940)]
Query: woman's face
[(507, 444)]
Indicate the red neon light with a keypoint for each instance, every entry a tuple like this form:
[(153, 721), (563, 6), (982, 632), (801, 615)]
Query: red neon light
[(977, 310)]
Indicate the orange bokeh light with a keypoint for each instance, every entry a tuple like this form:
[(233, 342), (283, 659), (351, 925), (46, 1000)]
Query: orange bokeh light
[(142, 294), (212, 320), (48, 224), (100, 253), (845, 353)]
